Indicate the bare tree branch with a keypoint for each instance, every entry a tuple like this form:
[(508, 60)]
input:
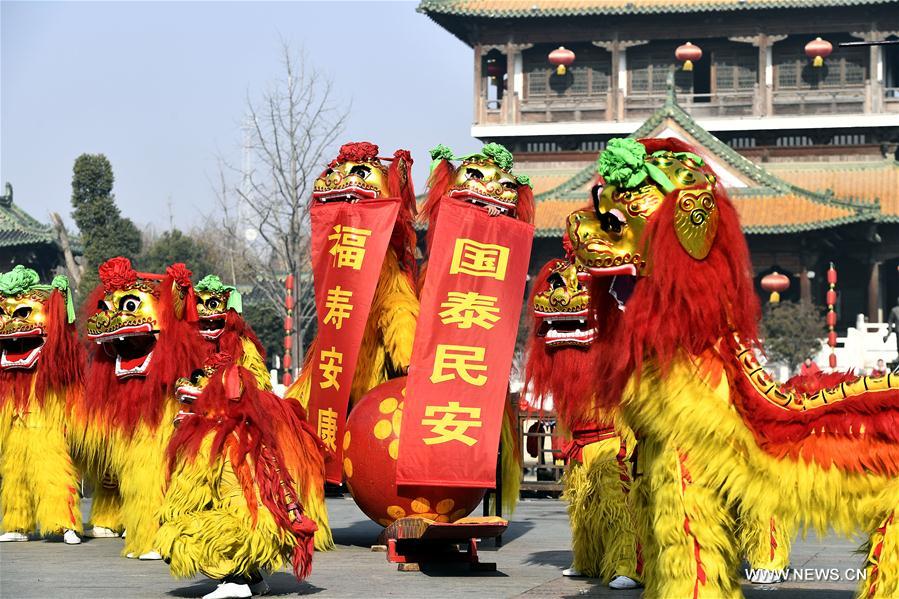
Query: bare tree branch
[(291, 128)]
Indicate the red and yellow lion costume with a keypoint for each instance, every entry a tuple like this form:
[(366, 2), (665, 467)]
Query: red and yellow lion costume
[(143, 335), (246, 473), (716, 433), (41, 366)]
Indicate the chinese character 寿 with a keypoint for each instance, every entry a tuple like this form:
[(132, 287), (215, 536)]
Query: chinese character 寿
[(339, 306)]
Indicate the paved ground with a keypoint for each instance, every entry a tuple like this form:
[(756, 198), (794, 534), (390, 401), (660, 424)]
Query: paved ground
[(529, 564)]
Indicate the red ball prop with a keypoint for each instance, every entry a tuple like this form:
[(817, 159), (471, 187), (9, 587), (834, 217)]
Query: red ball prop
[(370, 449)]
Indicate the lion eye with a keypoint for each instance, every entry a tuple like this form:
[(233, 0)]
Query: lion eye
[(360, 171), (196, 375), (212, 303), (555, 281), (23, 312), (510, 185), (611, 222), (474, 173), (129, 303)]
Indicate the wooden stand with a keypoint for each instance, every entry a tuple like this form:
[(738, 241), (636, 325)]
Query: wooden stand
[(412, 542)]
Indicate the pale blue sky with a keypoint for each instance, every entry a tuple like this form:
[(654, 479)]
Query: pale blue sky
[(160, 89)]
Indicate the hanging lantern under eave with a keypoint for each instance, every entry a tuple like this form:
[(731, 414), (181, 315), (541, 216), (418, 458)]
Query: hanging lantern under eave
[(494, 68), (561, 58), (687, 53), (818, 50), (775, 284)]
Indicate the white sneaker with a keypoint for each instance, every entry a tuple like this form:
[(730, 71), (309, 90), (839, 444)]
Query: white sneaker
[(8, 537), (124, 532), (101, 532), (260, 588), (762, 576), (230, 590), (150, 555), (571, 572), (131, 555), (623, 582), (71, 538)]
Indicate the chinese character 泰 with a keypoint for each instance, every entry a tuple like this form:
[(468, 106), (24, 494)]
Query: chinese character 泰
[(462, 360), (331, 365), (327, 428), (339, 306), (349, 246), (470, 308), (447, 427), (479, 259)]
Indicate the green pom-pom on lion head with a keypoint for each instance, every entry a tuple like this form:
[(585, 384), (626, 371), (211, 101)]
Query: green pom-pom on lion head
[(441, 152), (214, 284), (622, 163), (18, 280), (500, 155)]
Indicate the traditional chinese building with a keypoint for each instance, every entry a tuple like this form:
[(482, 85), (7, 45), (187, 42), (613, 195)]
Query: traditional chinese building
[(24, 240), (808, 152)]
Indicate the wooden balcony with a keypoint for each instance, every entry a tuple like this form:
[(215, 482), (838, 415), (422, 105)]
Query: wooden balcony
[(730, 104), (818, 101)]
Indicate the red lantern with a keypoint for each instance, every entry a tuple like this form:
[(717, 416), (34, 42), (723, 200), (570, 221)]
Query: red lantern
[(831, 297), (831, 319), (832, 339), (832, 360), (561, 58), (288, 342), (818, 50), (775, 283), (831, 275), (687, 53), (494, 68)]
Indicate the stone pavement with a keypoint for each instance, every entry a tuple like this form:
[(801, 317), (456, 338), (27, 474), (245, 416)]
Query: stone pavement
[(529, 564)]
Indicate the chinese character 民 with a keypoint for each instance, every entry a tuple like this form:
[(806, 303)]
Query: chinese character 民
[(327, 428), (339, 306), (349, 246), (479, 259), (470, 308), (448, 427), (331, 365), (462, 360)]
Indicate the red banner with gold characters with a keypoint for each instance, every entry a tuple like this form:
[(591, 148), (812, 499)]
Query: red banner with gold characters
[(349, 241), (462, 355)]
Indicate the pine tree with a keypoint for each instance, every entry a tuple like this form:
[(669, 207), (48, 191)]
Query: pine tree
[(104, 232)]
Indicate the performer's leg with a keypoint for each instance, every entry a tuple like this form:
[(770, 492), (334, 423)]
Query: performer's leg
[(106, 509), (765, 543), (694, 553), (510, 460), (53, 477), (620, 560), (16, 498), (142, 485), (882, 566)]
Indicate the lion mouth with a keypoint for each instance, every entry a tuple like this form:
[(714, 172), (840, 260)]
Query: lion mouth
[(350, 194), (568, 329), (187, 394), (212, 327), (482, 201), (20, 350)]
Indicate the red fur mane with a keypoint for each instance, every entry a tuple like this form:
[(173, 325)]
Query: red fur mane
[(230, 340), (399, 183), (123, 403)]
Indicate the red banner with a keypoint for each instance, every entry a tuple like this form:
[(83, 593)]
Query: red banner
[(459, 375), (348, 246)]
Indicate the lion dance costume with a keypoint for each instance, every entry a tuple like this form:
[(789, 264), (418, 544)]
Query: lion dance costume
[(717, 434), (220, 309), (484, 179), (143, 333), (40, 373), (598, 478), (356, 175), (243, 463)]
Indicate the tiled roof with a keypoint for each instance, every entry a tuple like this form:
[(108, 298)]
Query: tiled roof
[(18, 228), (768, 205), (866, 181), (505, 9)]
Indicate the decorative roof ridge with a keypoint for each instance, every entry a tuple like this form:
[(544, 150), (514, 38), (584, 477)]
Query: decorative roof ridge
[(579, 178), (855, 165), (453, 8)]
